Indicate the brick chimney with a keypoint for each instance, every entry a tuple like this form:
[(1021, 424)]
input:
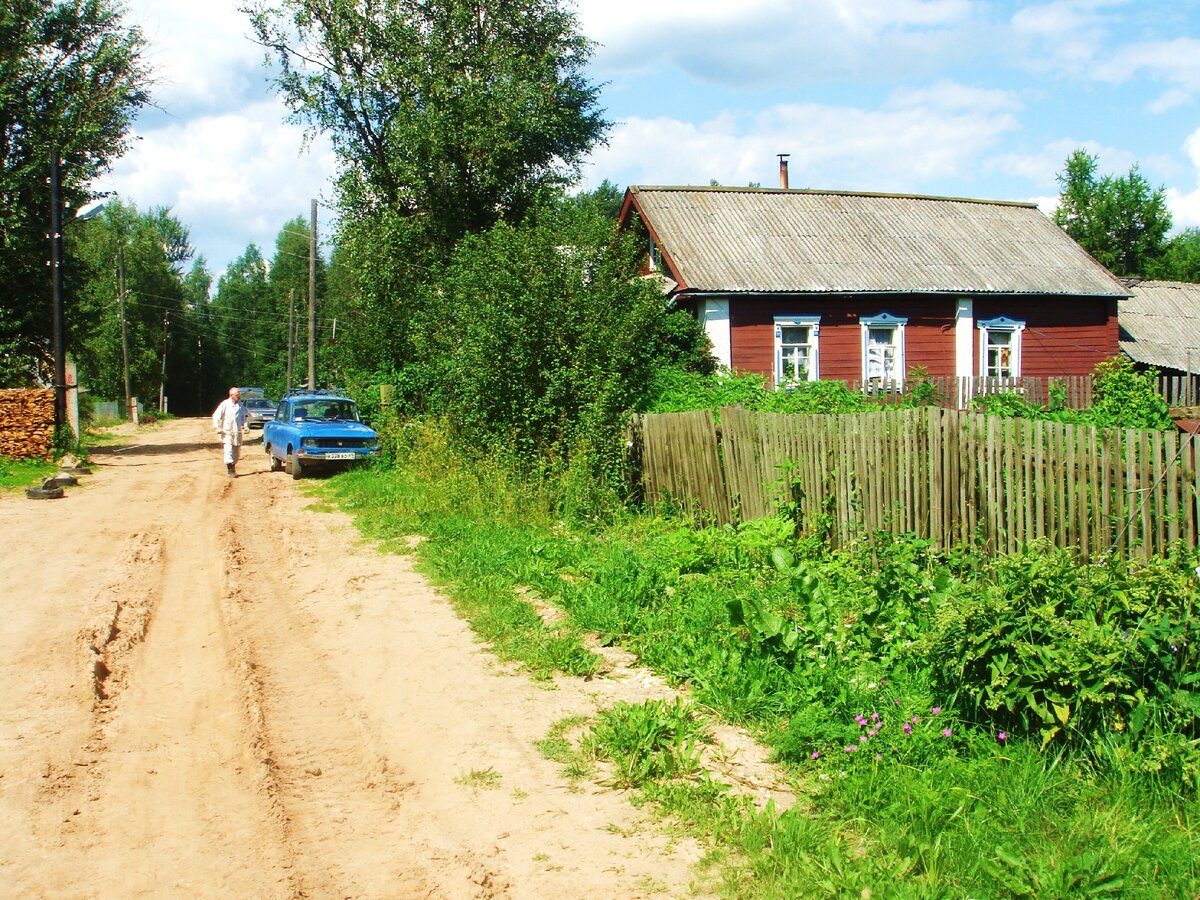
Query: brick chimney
[(783, 178)]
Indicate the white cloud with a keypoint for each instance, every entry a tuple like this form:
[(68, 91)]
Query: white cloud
[(1176, 62), (1170, 100), (1043, 167), (200, 53), (770, 42), (899, 147), (1185, 207), (951, 97), (216, 150), (231, 178)]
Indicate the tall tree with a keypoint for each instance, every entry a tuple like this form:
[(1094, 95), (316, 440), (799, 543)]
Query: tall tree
[(541, 336), (1181, 258), (289, 288), (71, 80), (1120, 220), (144, 252), (240, 316), (456, 112)]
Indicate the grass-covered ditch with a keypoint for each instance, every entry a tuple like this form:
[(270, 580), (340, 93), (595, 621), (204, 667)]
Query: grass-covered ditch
[(957, 724)]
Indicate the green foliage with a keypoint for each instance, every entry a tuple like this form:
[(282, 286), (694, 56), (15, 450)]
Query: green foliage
[(380, 277), (18, 474), (455, 115), (146, 248), (1102, 657), (1180, 260), (1122, 397), (819, 651), (644, 742), (72, 78), (676, 390), (920, 389), (1121, 221), (1126, 398), (605, 200), (540, 338)]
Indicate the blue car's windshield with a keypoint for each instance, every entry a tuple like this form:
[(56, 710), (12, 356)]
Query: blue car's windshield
[(335, 410)]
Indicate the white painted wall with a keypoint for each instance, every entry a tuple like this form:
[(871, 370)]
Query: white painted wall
[(964, 338), (714, 317)]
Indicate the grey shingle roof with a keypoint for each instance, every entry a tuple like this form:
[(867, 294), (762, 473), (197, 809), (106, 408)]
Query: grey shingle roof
[(768, 240), (1160, 325)]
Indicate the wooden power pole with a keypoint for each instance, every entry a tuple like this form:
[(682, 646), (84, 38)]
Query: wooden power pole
[(312, 299)]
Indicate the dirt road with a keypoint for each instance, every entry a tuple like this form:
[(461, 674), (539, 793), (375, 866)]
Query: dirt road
[(209, 690)]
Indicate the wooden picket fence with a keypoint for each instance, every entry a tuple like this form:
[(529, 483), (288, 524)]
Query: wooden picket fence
[(1071, 391), (955, 392), (943, 474)]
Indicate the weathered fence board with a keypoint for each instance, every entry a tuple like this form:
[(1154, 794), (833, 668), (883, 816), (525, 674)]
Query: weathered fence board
[(943, 474)]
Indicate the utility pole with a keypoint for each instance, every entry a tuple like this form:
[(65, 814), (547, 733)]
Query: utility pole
[(124, 331), (312, 299), (162, 384), (291, 334), (59, 337)]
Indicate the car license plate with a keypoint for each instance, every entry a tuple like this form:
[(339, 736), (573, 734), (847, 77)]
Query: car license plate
[(338, 456)]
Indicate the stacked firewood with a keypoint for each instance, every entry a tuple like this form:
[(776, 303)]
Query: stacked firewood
[(26, 423)]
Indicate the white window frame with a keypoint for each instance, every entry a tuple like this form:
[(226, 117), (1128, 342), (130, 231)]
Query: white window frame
[(1001, 325), (896, 325), (813, 324)]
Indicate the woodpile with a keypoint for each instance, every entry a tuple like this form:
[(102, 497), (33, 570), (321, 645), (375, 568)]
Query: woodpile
[(26, 423)]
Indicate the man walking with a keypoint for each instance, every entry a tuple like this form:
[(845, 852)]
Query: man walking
[(229, 420)]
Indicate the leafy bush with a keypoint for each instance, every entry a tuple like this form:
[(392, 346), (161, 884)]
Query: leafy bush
[(541, 339), (674, 390), (1099, 657), (1122, 397)]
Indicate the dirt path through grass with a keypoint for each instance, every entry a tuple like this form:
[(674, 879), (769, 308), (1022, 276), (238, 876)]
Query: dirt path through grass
[(212, 691)]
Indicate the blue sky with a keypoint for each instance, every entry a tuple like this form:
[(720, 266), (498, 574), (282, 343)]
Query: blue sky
[(944, 97)]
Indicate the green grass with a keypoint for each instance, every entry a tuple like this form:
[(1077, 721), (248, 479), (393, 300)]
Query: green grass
[(794, 647), (18, 474)]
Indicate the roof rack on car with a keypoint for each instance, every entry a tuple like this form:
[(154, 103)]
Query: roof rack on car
[(315, 392)]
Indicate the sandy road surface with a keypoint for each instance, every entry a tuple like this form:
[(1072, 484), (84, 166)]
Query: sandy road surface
[(207, 690)]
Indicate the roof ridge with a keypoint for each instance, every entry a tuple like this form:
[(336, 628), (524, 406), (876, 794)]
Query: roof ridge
[(719, 188)]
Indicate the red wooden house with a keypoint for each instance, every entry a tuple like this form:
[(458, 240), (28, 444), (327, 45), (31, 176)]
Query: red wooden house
[(808, 285)]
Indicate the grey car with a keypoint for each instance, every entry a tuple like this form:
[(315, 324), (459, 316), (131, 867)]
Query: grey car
[(258, 411)]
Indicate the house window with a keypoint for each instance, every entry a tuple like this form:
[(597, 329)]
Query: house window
[(796, 349), (655, 257), (883, 350), (1000, 347)]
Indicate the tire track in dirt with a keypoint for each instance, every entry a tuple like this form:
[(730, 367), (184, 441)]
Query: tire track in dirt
[(121, 613), (334, 792), (167, 767)]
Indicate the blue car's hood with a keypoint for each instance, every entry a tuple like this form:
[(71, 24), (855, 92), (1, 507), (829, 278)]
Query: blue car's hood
[(335, 429)]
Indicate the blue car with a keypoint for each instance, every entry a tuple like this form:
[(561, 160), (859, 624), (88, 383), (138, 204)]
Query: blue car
[(317, 429)]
